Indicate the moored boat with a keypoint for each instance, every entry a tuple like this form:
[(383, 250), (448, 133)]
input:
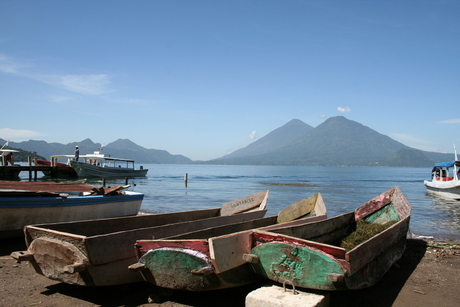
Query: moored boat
[(26, 203), (188, 261), (311, 255), (102, 166), (98, 252), (445, 179)]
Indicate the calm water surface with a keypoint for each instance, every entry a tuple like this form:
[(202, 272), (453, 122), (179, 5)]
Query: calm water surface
[(343, 189)]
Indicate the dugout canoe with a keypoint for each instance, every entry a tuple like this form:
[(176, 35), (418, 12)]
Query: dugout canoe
[(186, 261), (310, 256), (98, 252)]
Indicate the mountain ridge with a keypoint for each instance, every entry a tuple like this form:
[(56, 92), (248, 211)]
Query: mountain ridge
[(283, 135), (337, 141)]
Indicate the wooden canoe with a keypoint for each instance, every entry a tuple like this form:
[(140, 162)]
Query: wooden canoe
[(309, 256), (98, 252), (186, 261)]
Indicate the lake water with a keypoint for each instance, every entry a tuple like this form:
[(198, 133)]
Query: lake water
[(343, 189)]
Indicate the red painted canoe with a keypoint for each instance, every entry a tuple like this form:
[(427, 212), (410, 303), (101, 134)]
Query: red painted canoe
[(187, 261)]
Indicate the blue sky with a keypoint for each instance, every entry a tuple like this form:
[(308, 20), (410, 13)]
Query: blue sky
[(205, 78)]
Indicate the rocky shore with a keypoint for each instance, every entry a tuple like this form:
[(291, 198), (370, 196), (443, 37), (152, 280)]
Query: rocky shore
[(426, 275)]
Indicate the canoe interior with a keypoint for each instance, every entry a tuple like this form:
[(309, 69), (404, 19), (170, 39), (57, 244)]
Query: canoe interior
[(389, 207), (225, 229), (322, 239), (318, 210), (307, 207), (315, 209), (91, 228), (105, 241)]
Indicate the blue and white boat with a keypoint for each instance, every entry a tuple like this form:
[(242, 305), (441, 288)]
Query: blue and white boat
[(28, 203), (445, 179)]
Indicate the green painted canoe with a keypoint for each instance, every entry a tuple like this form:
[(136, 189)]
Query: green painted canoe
[(211, 259), (309, 256)]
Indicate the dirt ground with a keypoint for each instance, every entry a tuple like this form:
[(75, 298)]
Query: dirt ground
[(427, 275)]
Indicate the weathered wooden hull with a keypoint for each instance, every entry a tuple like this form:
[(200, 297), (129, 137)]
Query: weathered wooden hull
[(17, 212), (187, 261), (308, 256), (98, 252)]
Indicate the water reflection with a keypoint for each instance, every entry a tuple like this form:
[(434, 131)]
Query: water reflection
[(448, 214)]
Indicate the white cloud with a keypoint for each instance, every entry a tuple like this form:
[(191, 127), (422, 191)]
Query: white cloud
[(60, 98), (322, 116), (11, 134), (344, 109), (92, 84), (450, 121), (7, 65), (86, 84), (253, 135)]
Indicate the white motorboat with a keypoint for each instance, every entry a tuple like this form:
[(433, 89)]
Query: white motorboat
[(445, 179)]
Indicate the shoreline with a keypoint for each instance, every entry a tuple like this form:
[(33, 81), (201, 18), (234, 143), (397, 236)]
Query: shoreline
[(426, 275)]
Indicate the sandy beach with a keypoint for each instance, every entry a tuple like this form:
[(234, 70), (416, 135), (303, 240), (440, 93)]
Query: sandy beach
[(426, 275)]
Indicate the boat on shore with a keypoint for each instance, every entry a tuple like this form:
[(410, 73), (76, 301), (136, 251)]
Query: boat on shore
[(445, 179), (350, 251), (102, 166), (98, 252), (188, 261), (27, 203)]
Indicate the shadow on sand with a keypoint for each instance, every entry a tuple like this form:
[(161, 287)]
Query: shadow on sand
[(385, 292)]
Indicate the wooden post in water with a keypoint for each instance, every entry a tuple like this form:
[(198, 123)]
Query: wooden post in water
[(185, 179), (5, 172), (29, 163)]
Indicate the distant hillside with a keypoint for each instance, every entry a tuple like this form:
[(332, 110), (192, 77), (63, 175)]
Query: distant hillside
[(337, 142), (412, 157), (119, 149), (128, 149), (274, 140)]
